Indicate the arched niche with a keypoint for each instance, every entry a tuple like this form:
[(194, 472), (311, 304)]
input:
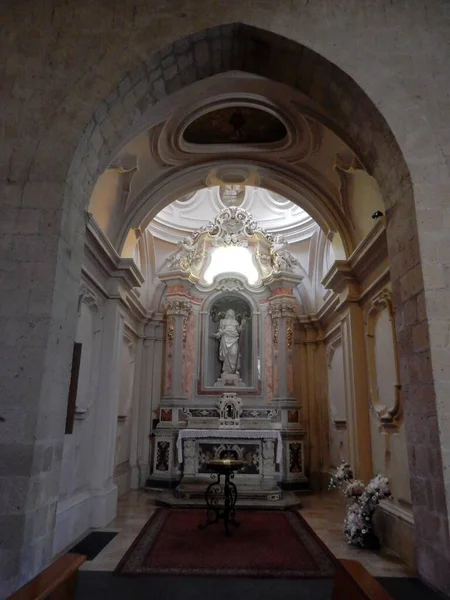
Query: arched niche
[(382, 361), (214, 309)]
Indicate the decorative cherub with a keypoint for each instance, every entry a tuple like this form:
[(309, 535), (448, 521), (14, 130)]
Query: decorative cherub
[(182, 257), (282, 259)]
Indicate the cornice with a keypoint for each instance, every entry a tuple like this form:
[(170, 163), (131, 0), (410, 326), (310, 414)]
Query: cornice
[(328, 308), (346, 276), (339, 277), (370, 252), (122, 274), (136, 307)]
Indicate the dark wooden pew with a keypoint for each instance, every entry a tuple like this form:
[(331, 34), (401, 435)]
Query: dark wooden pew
[(353, 582), (56, 582)]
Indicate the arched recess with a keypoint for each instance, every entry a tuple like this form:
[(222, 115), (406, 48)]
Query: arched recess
[(253, 335)]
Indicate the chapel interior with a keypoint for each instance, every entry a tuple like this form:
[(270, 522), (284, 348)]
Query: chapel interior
[(235, 260)]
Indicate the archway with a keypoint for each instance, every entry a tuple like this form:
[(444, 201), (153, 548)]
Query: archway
[(356, 119), (240, 45)]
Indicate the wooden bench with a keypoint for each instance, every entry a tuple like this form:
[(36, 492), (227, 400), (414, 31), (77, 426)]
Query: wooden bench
[(56, 582), (353, 582)]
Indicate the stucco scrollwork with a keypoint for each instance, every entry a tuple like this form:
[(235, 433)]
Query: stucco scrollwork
[(229, 284), (289, 333), (389, 414), (233, 227), (87, 297)]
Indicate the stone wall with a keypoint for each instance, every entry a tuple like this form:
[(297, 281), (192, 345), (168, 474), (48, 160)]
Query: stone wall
[(67, 62)]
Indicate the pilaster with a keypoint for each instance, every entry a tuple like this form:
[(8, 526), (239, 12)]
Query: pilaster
[(150, 376), (104, 491), (314, 399), (342, 280), (177, 309)]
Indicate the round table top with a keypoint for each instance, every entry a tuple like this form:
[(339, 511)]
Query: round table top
[(225, 464)]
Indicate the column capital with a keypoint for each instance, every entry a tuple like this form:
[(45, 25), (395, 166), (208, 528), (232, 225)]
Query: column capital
[(177, 306), (282, 307)]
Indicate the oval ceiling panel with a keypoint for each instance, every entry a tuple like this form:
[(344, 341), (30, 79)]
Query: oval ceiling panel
[(235, 125)]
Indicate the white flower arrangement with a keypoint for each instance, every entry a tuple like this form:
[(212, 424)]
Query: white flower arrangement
[(354, 488), (343, 475), (358, 527)]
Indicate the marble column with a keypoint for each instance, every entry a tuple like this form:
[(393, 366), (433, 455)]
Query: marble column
[(104, 491), (282, 311)]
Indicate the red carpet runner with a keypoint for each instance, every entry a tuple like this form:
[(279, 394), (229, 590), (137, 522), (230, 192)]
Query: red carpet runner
[(267, 544)]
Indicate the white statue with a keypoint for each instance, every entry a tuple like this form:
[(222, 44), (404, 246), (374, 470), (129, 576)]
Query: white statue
[(229, 334), (182, 258), (283, 260)]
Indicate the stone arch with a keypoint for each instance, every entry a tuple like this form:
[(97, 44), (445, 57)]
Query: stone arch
[(241, 48), (65, 91), (357, 121)]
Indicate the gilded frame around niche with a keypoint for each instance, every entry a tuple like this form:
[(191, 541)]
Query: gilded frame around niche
[(389, 416)]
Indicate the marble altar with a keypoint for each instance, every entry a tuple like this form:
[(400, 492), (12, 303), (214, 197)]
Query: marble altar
[(259, 434), (260, 450)]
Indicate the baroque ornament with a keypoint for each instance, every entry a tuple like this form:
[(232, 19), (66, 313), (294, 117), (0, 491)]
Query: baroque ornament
[(282, 309), (233, 226), (230, 284), (187, 256), (178, 307), (185, 323), (87, 297), (289, 332), (170, 329)]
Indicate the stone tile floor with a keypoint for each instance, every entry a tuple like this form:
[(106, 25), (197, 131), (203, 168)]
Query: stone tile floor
[(325, 514)]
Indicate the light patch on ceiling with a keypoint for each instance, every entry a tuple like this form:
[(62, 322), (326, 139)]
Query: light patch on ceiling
[(231, 259)]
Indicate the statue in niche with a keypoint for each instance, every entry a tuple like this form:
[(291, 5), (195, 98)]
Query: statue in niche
[(282, 259), (229, 334)]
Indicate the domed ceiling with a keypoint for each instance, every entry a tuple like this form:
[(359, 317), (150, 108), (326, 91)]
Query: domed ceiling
[(273, 212)]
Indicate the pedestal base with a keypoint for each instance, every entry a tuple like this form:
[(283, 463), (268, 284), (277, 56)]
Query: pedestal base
[(228, 380)]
